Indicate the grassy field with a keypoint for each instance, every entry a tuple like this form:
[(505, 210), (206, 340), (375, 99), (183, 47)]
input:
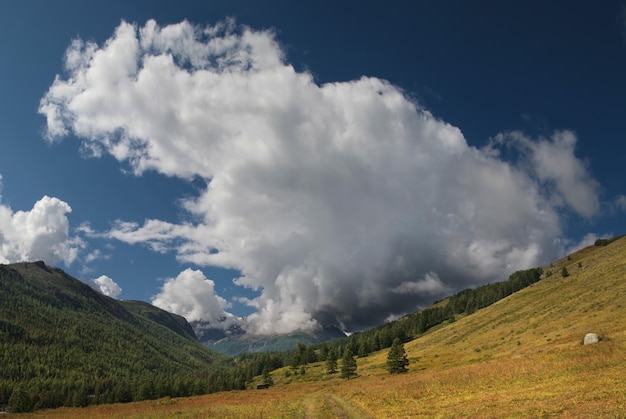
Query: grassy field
[(521, 357)]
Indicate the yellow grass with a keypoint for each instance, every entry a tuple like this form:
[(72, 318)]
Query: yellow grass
[(521, 357)]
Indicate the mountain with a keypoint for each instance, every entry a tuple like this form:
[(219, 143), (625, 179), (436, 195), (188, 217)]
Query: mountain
[(236, 344), (174, 322), (65, 342), (209, 333), (229, 338)]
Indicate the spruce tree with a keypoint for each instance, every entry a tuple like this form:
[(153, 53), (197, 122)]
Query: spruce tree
[(331, 361), (397, 361), (20, 401), (348, 364), (267, 377)]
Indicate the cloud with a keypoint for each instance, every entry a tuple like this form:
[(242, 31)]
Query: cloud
[(430, 284), (555, 165), (332, 200), (620, 203), (95, 255), (588, 240), (107, 286), (193, 296), (41, 233)]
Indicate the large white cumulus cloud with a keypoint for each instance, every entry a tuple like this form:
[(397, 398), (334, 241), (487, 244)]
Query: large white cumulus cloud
[(193, 296), (344, 204), (41, 233)]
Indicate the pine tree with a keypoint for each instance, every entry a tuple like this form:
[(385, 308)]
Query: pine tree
[(397, 361), (348, 365), (299, 356), (80, 397), (267, 377), (324, 352), (331, 361), (20, 400)]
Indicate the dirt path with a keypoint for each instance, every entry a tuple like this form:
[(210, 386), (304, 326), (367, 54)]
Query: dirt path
[(325, 405)]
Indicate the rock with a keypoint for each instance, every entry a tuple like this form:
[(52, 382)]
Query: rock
[(591, 338)]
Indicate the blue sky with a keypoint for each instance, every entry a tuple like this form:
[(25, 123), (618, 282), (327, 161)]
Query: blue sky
[(344, 163)]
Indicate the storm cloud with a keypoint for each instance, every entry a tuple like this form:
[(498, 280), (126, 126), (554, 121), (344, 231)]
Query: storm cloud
[(343, 204)]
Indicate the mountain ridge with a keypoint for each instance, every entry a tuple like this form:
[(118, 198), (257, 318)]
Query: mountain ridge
[(65, 341), (236, 344)]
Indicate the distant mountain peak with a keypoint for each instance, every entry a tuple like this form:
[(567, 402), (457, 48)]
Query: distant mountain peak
[(246, 342)]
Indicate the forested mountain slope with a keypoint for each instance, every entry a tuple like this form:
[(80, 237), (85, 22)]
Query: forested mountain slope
[(65, 344)]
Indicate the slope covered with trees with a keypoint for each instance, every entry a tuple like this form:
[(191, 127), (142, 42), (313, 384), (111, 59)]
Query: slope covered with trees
[(413, 325), (62, 343)]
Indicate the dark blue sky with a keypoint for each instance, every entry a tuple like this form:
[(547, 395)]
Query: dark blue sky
[(485, 67)]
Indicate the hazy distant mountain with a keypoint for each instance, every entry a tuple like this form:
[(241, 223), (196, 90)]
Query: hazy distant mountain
[(243, 342), (209, 333)]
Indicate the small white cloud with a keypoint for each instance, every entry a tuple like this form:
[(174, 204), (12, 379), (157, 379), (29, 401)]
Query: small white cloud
[(41, 233), (85, 229), (556, 166), (430, 284), (620, 202), (588, 240), (96, 254), (107, 286)]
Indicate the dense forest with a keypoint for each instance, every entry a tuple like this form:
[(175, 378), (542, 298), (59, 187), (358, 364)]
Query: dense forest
[(63, 344)]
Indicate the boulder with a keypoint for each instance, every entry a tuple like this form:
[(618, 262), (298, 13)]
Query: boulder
[(591, 338)]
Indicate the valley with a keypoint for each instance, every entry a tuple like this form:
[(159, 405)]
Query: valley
[(520, 357)]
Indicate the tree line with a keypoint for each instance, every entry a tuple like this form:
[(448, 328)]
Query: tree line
[(413, 325), (398, 331)]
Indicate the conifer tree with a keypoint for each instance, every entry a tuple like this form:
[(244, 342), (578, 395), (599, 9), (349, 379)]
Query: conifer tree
[(324, 352), (267, 377), (20, 400), (397, 361), (331, 361), (348, 364)]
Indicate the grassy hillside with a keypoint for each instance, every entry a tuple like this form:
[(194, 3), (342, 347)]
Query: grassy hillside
[(62, 343), (520, 357)]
